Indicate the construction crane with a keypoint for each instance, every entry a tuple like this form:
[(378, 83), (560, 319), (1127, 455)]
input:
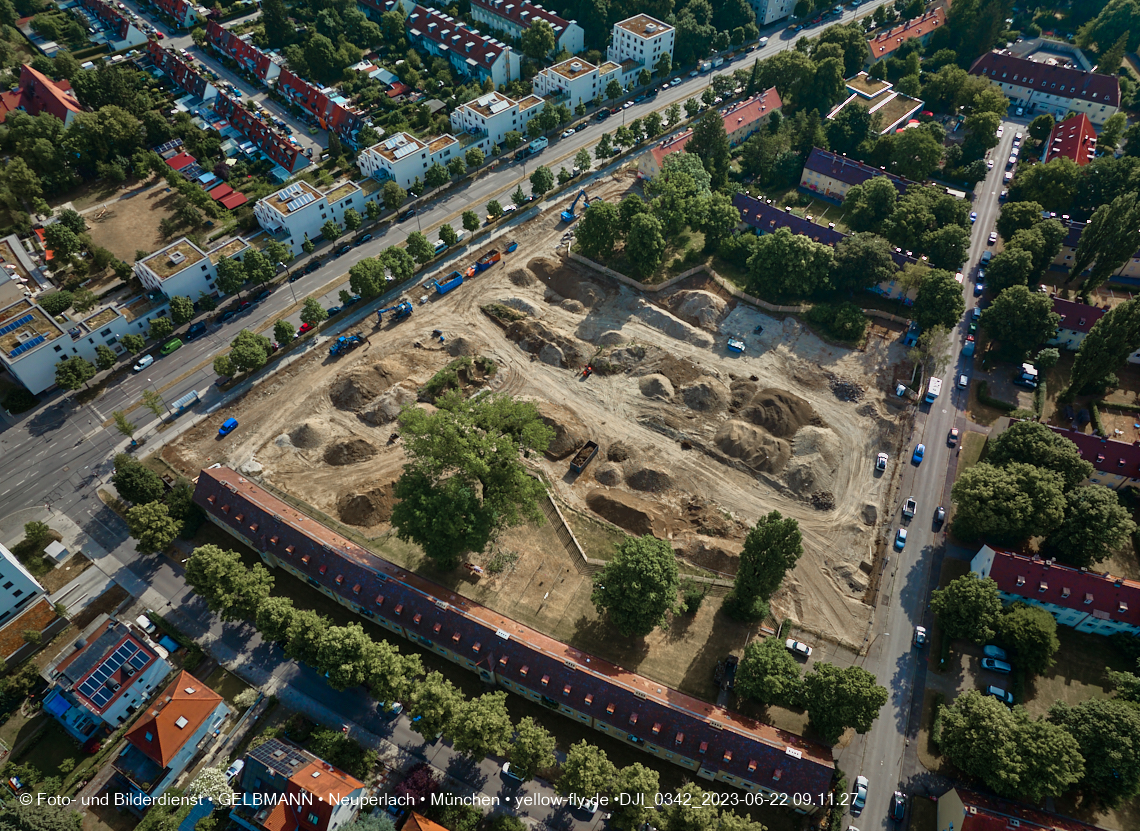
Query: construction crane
[(568, 214), (399, 312)]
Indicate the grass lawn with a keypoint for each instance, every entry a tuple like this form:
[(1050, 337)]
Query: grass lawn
[(226, 684), (597, 539), (51, 747), (1078, 673), (927, 750), (972, 446)]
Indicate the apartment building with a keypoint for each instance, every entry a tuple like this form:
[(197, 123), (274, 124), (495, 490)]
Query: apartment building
[(331, 109), (1051, 88), (183, 269), (769, 11), (577, 81), (513, 17), (1092, 602), (241, 50), (1074, 138), (640, 40), (405, 158), (831, 175), (1077, 320), (893, 108), (490, 117), (179, 71), (163, 743), (37, 94), (18, 588), (714, 743), (884, 44), (1116, 464), (471, 54), (1064, 259), (107, 672), (118, 31), (297, 212), (962, 810), (261, 135), (183, 13)]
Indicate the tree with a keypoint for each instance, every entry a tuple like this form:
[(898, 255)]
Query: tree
[(710, 144), (153, 527), (434, 703), (223, 367), (283, 331), (790, 265), (1112, 133), (519, 196), (981, 130), (968, 608), (228, 587), (212, 783), (448, 235), (330, 230), (494, 209), (371, 822), (471, 220), (645, 244), (482, 726), (1095, 525), (352, 219), (939, 301), (1106, 347), (1008, 504), (862, 260), (768, 673), (1053, 184), (73, 373), (135, 482), (456, 166), (541, 180), (231, 276), (717, 219), (153, 402), (161, 328), (916, 153), (613, 90), (62, 241), (259, 269), (1035, 444), (604, 148), (418, 246), (133, 343), (1009, 752), (1032, 634), (869, 205), (39, 817), (773, 547), (635, 791), (181, 309), (1020, 319), (122, 424), (393, 194), (1018, 216), (371, 209), (1107, 731), (638, 587), (537, 40), (644, 78), (278, 28), (312, 312), (532, 749), (474, 157), (1041, 127), (598, 230), (838, 698), (105, 357), (586, 771), (1108, 241), (1011, 267), (512, 138), (71, 218), (55, 303)]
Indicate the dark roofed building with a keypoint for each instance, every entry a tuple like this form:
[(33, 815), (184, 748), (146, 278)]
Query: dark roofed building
[(962, 810), (1051, 88), (831, 175), (1077, 320), (715, 743)]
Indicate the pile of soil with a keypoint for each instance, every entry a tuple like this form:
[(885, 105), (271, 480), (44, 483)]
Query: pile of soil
[(356, 388), (521, 305), (566, 281), (628, 356), (823, 501), (815, 457), (369, 508), (753, 446), (349, 452), (618, 452), (283, 440), (310, 434), (780, 413), (534, 336), (611, 338), (680, 371), (743, 392), (522, 278), (460, 346), (869, 514), (706, 518), (711, 554), (699, 307), (672, 326), (707, 395), (609, 474), (570, 432), (656, 386), (649, 480), (635, 515), (387, 407), (574, 306)]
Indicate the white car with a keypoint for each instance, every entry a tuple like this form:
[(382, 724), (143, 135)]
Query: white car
[(881, 461), (234, 769), (143, 363), (1000, 130), (989, 164), (567, 133), (797, 647), (963, 382), (859, 798)]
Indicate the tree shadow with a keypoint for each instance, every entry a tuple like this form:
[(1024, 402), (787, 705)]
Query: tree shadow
[(48, 419), (598, 636), (462, 767)]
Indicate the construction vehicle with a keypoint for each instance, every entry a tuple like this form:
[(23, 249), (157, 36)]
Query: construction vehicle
[(735, 345), (487, 261), (346, 343), (399, 312), (584, 456), (454, 280), (568, 214)]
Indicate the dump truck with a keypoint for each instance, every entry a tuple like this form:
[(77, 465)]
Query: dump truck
[(454, 280), (487, 261), (346, 343), (584, 456), (399, 312)]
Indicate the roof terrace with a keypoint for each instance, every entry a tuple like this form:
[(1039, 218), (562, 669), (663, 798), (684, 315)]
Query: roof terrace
[(174, 258), (573, 68), (398, 146), (645, 26), (292, 198), (232, 247)]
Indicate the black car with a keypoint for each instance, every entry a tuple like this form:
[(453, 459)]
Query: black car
[(898, 806), (352, 301), (344, 249), (263, 296), (364, 239), (313, 266), (408, 214), (245, 308), (228, 316), (581, 127), (195, 329), (335, 310), (602, 115), (730, 671)]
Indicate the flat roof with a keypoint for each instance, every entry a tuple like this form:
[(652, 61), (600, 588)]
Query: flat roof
[(645, 26), (100, 318), (573, 68), (394, 148), (33, 322), (490, 104), (440, 142), (282, 199), (896, 108), (134, 309), (228, 250), (162, 262), (866, 85), (11, 260), (340, 191), (608, 66), (528, 102)]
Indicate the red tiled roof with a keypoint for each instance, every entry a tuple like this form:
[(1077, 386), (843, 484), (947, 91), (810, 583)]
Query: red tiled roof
[(1077, 317), (180, 161), (522, 13), (985, 813), (887, 42), (1106, 455), (760, 753), (673, 145), (417, 823), (220, 191), (459, 40), (397, 89), (735, 118), (233, 200), (1005, 68), (37, 93), (240, 49), (1073, 138), (851, 171), (159, 734)]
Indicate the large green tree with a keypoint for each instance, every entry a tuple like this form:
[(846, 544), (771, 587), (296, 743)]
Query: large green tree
[(434, 703), (537, 40), (227, 586), (787, 265), (771, 549), (968, 608), (645, 244), (1020, 319), (532, 749), (862, 260), (152, 527), (1035, 444), (1095, 526), (635, 793), (638, 587), (1108, 241), (482, 726), (586, 770), (1031, 632), (1017, 216), (1108, 734), (135, 482), (709, 143), (598, 230), (837, 698), (249, 351), (1106, 347), (74, 372), (939, 301), (768, 673), (869, 205), (1007, 505), (279, 30)]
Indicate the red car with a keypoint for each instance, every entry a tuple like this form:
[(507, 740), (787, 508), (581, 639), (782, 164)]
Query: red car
[(160, 35), (304, 328)]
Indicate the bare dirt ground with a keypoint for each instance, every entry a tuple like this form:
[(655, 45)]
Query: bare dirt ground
[(132, 224), (696, 442)]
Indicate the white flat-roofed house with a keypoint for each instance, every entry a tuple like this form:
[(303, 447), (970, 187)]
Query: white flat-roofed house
[(577, 79), (643, 40), (299, 210), (405, 158), (182, 269), (489, 118)]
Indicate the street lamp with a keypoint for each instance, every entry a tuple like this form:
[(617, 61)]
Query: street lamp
[(156, 392)]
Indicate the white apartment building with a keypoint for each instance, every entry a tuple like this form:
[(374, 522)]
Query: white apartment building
[(1051, 88), (183, 269), (32, 342), (643, 40), (769, 11), (491, 117), (405, 158), (579, 80), (513, 17), (18, 588), (299, 210)]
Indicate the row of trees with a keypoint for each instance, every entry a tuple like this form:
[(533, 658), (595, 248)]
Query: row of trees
[(156, 516)]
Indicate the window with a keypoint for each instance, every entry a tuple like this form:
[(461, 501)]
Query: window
[(8, 585), (59, 349), (312, 818), (17, 592)]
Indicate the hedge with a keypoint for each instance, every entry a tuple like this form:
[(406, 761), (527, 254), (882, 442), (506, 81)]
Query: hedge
[(1098, 425), (1039, 398)]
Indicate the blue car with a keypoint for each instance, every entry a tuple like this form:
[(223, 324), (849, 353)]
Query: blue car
[(919, 452), (973, 217), (979, 289), (900, 539), (228, 426)]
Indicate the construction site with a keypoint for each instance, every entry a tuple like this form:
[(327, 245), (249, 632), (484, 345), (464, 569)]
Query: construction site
[(694, 441)]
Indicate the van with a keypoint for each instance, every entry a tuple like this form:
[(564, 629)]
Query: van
[(170, 346)]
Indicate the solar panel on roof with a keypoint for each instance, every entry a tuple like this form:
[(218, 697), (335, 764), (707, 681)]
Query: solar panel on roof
[(24, 347), (405, 150), (17, 324), (499, 106), (139, 660)]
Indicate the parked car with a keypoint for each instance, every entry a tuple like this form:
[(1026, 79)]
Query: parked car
[(364, 239), (939, 516), (305, 327), (143, 362), (228, 426), (881, 461), (1004, 696), (406, 215), (952, 438), (994, 665), (991, 651), (797, 647), (992, 238), (245, 308), (963, 382), (730, 671), (973, 217), (581, 127), (312, 266), (859, 799), (898, 806), (263, 295), (900, 539), (976, 313), (510, 774), (602, 115), (344, 249), (675, 82), (919, 452), (234, 769), (196, 329), (334, 310), (920, 636), (171, 346), (909, 507)]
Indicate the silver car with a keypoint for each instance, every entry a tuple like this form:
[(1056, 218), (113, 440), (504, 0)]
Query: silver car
[(859, 798)]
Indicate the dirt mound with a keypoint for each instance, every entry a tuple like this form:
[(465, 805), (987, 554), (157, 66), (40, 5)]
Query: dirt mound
[(609, 474), (649, 480), (846, 390), (753, 446), (459, 346), (354, 390), (706, 395), (672, 326), (522, 278), (680, 371), (566, 281), (635, 515), (521, 305), (823, 501), (570, 432), (707, 518), (533, 335), (628, 356), (780, 413), (618, 452), (699, 307), (369, 508), (656, 386), (869, 514), (611, 338), (711, 554), (310, 434), (742, 394), (574, 306), (821, 440), (387, 407), (283, 440), (815, 456), (349, 452)]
